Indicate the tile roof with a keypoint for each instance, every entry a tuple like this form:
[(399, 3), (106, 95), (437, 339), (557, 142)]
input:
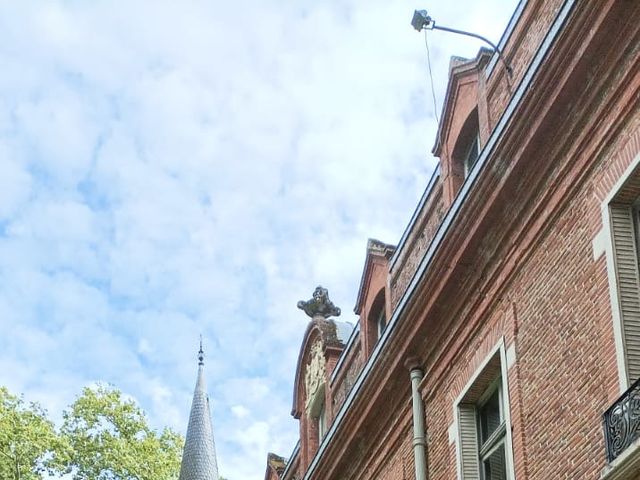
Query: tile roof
[(199, 455)]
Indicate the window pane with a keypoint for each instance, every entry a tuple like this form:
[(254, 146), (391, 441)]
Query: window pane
[(489, 414), (472, 156), (494, 466), (382, 323), (322, 426)]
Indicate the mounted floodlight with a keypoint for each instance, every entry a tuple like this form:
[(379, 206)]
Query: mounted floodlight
[(422, 20)]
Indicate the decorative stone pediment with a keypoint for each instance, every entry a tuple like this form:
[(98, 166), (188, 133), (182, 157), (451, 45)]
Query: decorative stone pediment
[(323, 341), (314, 379)]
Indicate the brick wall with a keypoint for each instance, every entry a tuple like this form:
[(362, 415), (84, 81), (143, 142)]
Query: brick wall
[(522, 45), (349, 371), (518, 269)]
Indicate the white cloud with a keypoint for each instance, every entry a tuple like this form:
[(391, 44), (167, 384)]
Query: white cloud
[(144, 347), (15, 184), (198, 168), (239, 411)]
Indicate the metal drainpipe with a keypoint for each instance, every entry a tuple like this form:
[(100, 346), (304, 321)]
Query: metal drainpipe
[(419, 438)]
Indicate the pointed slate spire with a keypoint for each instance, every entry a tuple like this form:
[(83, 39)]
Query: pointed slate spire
[(199, 455)]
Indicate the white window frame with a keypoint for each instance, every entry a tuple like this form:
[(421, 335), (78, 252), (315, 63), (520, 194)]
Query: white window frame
[(498, 349)]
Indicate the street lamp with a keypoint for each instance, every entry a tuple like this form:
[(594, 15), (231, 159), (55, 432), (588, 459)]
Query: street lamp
[(421, 19)]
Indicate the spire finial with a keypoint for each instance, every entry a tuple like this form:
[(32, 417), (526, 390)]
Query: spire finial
[(200, 353)]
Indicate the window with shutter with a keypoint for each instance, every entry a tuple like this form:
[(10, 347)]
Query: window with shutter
[(468, 442), (624, 235), (620, 211), (483, 442)]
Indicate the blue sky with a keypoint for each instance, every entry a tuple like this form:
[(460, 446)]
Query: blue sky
[(175, 168)]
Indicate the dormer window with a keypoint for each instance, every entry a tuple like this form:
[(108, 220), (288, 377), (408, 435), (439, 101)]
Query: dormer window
[(458, 143)]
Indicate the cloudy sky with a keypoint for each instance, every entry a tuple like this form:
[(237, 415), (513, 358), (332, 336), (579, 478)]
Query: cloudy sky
[(175, 168)]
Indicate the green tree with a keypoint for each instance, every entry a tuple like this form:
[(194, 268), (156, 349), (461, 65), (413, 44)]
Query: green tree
[(29, 444), (111, 439)]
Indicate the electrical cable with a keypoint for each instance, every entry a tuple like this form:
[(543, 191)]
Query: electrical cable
[(433, 90), (433, 93)]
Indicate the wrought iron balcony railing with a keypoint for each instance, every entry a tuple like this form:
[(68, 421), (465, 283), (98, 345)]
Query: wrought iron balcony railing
[(622, 422)]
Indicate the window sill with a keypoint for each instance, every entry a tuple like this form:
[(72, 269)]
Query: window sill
[(626, 466)]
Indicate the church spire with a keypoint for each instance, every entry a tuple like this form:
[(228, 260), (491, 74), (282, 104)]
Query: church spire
[(199, 455)]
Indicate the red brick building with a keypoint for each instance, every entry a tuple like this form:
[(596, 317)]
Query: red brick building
[(494, 337)]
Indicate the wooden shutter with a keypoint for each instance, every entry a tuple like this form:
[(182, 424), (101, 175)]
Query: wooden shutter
[(626, 260), (468, 442)]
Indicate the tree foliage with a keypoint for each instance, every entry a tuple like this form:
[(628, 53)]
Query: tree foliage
[(29, 444), (104, 436), (111, 439)]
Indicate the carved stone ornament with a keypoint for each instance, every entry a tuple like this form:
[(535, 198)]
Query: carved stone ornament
[(314, 377), (319, 304)]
